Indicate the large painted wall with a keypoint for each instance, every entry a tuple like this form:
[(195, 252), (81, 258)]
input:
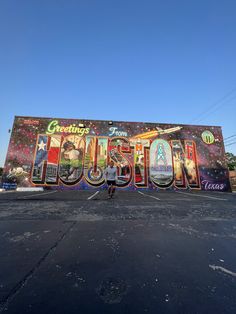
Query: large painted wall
[(72, 154)]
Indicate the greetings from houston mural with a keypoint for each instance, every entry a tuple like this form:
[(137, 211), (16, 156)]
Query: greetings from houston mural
[(72, 154)]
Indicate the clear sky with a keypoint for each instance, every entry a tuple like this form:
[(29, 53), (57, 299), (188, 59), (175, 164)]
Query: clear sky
[(157, 61)]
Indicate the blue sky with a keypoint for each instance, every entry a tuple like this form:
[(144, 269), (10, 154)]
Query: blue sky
[(157, 61)]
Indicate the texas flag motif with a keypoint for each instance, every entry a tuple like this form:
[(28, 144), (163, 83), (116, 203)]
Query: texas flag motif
[(41, 153), (53, 152), (48, 150)]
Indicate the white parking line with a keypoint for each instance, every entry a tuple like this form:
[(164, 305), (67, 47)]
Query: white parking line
[(156, 198), (39, 194), (211, 197), (91, 196)]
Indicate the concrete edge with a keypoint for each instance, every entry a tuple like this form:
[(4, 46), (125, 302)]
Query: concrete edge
[(30, 189)]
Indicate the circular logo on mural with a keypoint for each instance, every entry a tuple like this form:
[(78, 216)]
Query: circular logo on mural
[(95, 175), (208, 137)]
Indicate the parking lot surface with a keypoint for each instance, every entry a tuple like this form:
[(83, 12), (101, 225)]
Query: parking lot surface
[(141, 252)]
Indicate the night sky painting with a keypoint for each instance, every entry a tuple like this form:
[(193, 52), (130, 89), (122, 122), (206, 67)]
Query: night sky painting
[(73, 154)]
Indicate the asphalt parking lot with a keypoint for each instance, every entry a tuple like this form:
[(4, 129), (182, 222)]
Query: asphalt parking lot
[(141, 252)]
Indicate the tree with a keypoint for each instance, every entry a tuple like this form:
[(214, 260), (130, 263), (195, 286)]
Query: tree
[(1, 171), (231, 161)]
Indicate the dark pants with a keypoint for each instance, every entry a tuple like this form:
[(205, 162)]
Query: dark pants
[(111, 186)]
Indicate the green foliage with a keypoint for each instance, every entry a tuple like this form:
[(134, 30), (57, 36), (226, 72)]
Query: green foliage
[(102, 163), (1, 171), (231, 161)]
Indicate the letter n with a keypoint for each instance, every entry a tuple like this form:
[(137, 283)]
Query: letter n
[(185, 164)]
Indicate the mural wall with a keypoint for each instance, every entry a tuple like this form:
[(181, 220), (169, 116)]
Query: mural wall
[(72, 154)]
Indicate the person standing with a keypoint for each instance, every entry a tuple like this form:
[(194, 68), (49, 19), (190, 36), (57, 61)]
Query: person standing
[(111, 177)]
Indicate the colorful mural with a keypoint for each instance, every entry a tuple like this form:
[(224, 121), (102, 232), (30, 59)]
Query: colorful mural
[(72, 154)]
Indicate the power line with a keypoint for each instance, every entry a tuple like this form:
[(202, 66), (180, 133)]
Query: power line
[(215, 105), (226, 139), (230, 144), (213, 110)]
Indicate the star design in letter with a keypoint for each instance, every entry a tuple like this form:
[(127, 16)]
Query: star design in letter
[(41, 145)]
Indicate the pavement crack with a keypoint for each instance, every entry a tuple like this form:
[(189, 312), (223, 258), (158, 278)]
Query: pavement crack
[(20, 285)]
